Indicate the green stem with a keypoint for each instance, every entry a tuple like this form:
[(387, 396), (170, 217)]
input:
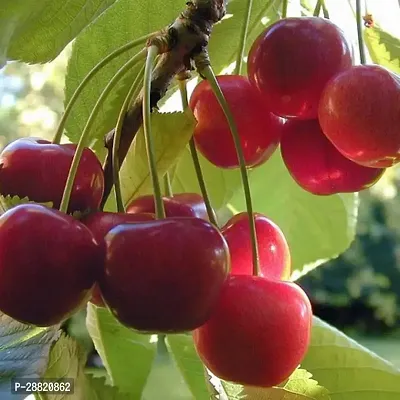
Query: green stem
[(133, 91), (284, 8), (208, 73), (167, 185), (325, 10), (84, 137), (88, 78), (152, 53), (317, 9), (243, 38), (196, 161), (361, 46)]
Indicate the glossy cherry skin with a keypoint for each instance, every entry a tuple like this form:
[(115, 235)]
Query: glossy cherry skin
[(259, 130), (317, 166), (100, 223), (273, 249), (178, 205), (38, 169), (166, 275), (293, 59), (360, 114), (259, 332), (49, 263)]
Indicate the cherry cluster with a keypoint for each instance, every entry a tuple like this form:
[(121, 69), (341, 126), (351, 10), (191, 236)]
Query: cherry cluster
[(337, 124), (337, 127), (169, 275)]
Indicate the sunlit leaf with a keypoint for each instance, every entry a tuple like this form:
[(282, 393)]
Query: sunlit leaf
[(383, 48), (348, 370), (37, 31), (127, 356), (171, 133)]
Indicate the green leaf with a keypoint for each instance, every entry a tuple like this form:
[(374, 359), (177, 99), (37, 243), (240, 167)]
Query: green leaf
[(299, 386), (97, 389), (348, 370), (127, 355), (67, 360), (221, 183), (165, 380), (190, 365), (171, 133), (123, 22), (316, 227), (24, 352), (36, 31), (225, 37), (8, 202), (383, 48)]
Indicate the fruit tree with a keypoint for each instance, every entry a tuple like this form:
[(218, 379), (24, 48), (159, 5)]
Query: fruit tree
[(182, 234)]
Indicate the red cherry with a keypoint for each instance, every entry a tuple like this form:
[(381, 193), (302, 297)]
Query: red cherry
[(259, 129), (38, 169), (317, 166), (259, 331), (178, 205), (293, 59), (49, 263), (100, 223), (360, 114), (164, 275), (273, 249)]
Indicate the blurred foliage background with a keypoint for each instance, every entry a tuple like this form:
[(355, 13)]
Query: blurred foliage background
[(359, 292)]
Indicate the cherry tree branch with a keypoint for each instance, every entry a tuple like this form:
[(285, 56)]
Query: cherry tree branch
[(178, 44)]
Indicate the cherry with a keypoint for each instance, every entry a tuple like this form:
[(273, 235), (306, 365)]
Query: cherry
[(274, 254), (317, 166), (49, 263), (259, 130), (293, 59), (259, 331), (178, 205), (360, 114), (38, 169), (164, 275), (100, 223)]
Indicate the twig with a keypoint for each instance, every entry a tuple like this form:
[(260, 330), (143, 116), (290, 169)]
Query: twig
[(186, 37)]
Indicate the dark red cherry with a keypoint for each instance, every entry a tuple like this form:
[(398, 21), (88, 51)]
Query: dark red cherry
[(100, 223), (49, 263), (258, 333), (273, 249), (178, 205), (164, 275), (38, 169), (317, 166), (258, 128), (292, 61)]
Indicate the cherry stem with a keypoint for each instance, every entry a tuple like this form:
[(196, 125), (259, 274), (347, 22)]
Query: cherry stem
[(284, 8), (361, 46), (208, 73), (196, 161), (88, 78), (152, 53), (86, 132), (317, 9), (243, 38), (133, 91), (167, 185)]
